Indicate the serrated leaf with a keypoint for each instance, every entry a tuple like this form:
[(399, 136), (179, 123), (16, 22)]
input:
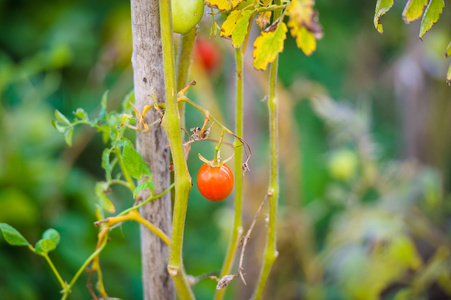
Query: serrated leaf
[(382, 6), (448, 50), (143, 186), (269, 44), (240, 31), (53, 235), (133, 161), (68, 136), (223, 5), (263, 19), (12, 236), (413, 10), (448, 76), (431, 15), (62, 118), (229, 24), (104, 202), (81, 114), (44, 246), (57, 126)]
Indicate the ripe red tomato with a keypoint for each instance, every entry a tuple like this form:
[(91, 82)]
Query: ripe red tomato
[(208, 54), (215, 183)]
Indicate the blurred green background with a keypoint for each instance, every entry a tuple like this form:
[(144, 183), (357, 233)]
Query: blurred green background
[(365, 179)]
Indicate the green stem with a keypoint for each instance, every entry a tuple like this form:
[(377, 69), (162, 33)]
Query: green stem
[(271, 253), (55, 271), (237, 226), (146, 201), (124, 170), (183, 63), (82, 268), (182, 178)]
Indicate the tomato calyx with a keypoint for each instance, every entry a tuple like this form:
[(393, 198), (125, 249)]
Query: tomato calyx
[(214, 163)]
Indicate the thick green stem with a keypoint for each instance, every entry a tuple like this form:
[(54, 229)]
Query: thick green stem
[(183, 63), (182, 178), (237, 226), (271, 253)]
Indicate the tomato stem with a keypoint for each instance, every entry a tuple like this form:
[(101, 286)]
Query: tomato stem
[(271, 253)]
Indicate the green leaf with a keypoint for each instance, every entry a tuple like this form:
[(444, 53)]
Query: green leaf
[(143, 186), (105, 203), (44, 246), (53, 235), (60, 128), (382, 6), (60, 117), (106, 162), (269, 45), (431, 15), (12, 236), (413, 10), (68, 135), (133, 161), (81, 114), (130, 97), (240, 31), (448, 76)]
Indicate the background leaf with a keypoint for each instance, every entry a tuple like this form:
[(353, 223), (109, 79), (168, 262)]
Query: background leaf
[(431, 15), (268, 45), (382, 6), (12, 236)]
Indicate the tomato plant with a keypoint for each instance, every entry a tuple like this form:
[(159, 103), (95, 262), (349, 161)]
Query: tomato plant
[(186, 14), (215, 182), (208, 54)]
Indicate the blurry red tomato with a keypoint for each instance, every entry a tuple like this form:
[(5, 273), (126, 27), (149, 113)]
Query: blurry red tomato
[(208, 54)]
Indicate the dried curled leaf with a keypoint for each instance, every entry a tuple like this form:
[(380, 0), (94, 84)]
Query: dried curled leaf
[(413, 10), (382, 6), (263, 19), (223, 5), (303, 24), (431, 15), (269, 44)]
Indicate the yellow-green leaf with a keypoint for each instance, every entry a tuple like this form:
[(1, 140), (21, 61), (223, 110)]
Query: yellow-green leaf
[(413, 10), (431, 15), (302, 13), (240, 31), (305, 40), (223, 5), (382, 6), (269, 44), (229, 24), (448, 50), (448, 76)]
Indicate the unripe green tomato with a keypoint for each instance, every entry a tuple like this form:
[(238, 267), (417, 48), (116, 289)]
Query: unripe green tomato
[(186, 14), (343, 165)]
